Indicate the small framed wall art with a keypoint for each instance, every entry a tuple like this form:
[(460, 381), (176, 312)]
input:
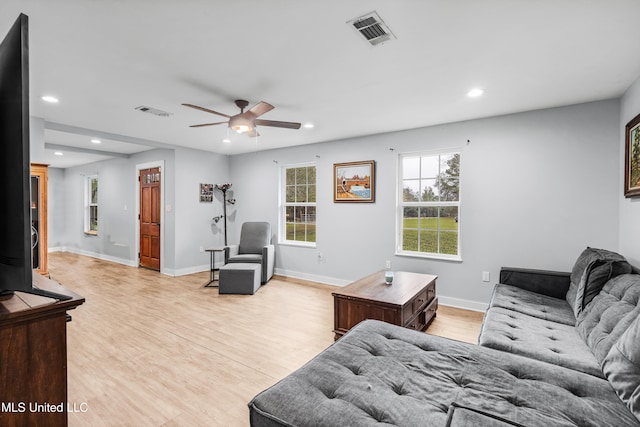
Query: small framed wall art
[(354, 182), (632, 158), (206, 193)]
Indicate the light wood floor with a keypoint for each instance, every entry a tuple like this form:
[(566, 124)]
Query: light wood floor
[(152, 350)]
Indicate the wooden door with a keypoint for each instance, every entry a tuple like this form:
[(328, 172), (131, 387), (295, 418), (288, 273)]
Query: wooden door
[(150, 218)]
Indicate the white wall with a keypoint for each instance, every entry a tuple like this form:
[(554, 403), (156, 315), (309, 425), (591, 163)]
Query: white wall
[(36, 139), (194, 225), (537, 188), (629, 208), (117, 217), (56, 223), (187, 222)]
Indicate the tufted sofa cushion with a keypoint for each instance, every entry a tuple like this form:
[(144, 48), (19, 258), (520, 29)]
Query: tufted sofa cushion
[(610, 313), (540, 339), (593, 268), (380, 373), (532, 304), (622, 367)]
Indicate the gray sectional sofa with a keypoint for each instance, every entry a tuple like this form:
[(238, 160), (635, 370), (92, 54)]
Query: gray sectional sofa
[(555, 349)]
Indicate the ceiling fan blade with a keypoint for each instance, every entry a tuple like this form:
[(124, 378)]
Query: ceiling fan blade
[(206, 110), (252, 133), (277, 124), (208, 124), (261, 108)]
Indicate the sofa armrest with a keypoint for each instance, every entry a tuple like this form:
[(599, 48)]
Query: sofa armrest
[(550, 283)]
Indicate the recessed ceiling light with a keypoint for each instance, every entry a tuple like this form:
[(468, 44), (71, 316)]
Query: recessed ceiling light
[(51, 99), (226, 140), (308, 126), (96, 141), (474, 93), (58, 153)]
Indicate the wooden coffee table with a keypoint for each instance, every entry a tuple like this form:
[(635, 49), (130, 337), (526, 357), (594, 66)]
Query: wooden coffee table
[(410, 301)]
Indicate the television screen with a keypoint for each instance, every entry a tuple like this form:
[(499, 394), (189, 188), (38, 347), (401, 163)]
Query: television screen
[(15, 215)]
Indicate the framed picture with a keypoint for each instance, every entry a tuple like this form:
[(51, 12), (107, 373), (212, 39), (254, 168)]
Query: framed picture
[(354, 182), (632, 158), (206, 193)]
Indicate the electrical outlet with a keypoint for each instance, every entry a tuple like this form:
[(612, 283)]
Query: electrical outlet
[(201, 248), (387, 264), (486, 277)]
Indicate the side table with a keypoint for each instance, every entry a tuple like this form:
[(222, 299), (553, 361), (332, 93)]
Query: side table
[(212, 268)]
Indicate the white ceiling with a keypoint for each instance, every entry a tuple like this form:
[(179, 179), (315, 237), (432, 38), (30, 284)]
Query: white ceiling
[(104, 58)]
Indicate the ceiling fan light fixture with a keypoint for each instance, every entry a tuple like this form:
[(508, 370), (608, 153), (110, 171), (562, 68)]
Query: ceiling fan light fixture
[(240, 124), (241, 128), (247, 121)]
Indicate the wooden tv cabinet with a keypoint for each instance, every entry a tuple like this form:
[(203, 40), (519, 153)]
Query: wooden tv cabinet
[(410, 301), (33, 356)]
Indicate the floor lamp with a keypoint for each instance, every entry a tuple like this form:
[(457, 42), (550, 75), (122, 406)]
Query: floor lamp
[(224, 188)]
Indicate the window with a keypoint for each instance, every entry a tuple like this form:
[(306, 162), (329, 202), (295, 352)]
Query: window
[(298, 223), (429, 205), (91, 205)]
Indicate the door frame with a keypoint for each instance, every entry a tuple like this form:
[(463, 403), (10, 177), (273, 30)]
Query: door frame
[(139, 167)]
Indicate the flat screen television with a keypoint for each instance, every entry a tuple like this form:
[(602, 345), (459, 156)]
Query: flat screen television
[(16, 272)]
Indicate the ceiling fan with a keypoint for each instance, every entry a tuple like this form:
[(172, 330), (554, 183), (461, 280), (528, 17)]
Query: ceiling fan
[(246, 121)]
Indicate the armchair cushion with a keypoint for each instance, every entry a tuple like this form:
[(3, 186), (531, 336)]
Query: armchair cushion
[(244, 258), (254, 236)]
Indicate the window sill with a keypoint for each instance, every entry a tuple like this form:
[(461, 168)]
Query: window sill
[(437, 257), (91, 233), (297, 244)]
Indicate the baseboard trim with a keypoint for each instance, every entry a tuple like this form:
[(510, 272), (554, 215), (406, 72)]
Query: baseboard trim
[(188, 270), (442, 300), (97, 255), (462, 303), (312, 277)]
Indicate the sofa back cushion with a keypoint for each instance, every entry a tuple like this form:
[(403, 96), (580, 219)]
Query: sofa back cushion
[(622, 367), (610, 313), (593, 268)]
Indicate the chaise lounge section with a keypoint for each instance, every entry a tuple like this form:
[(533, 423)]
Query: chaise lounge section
[(567, 319), (553, 352)]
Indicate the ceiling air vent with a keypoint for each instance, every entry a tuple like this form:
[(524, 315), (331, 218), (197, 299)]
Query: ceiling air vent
[(372, 28), (153, 111)]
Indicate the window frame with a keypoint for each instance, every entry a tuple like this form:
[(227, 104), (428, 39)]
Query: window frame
[(282, 235), (89, 204), (401, 204)]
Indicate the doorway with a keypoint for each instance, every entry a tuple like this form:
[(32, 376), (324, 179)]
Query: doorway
[(149, 217)]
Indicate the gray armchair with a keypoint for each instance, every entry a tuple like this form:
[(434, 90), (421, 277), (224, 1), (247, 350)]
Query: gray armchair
[(255, 247)]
